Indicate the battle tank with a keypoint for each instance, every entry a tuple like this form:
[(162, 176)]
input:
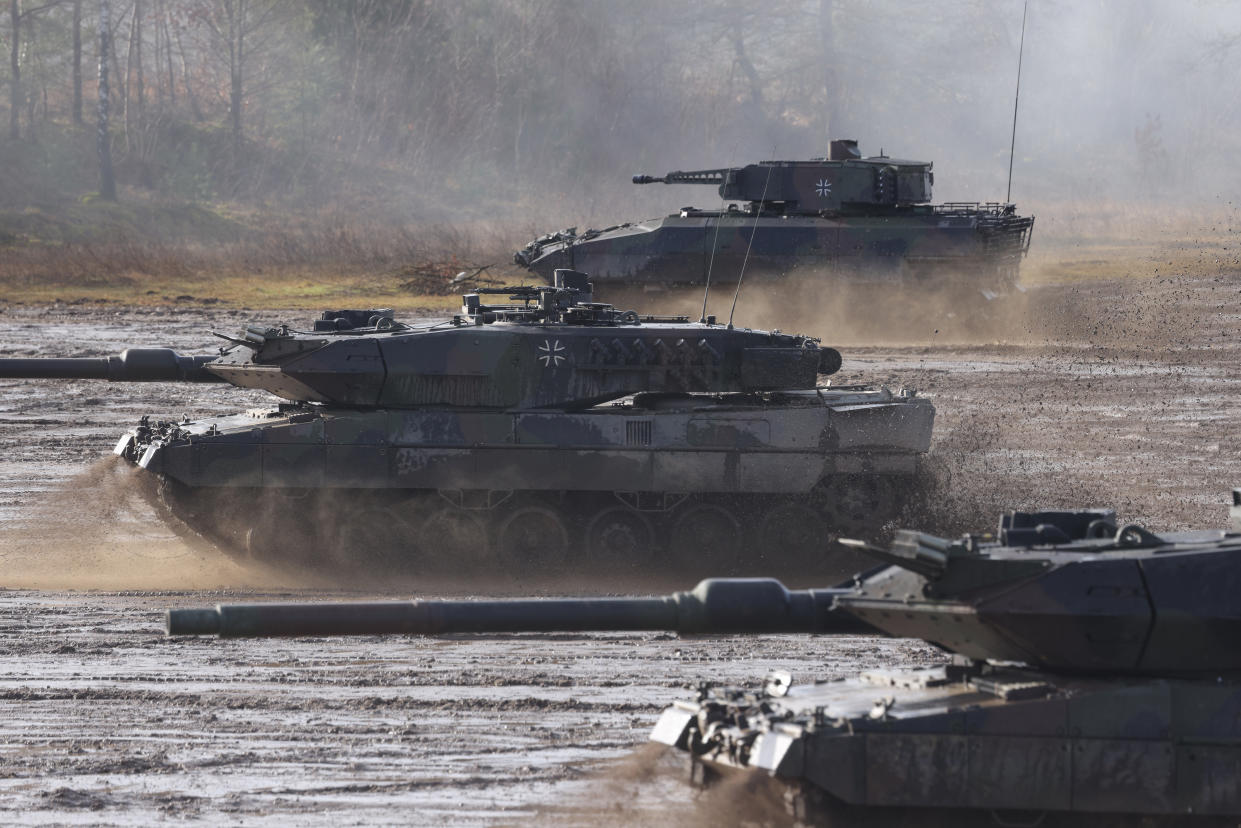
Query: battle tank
[(543, 430), (844, 216), (1091, 669)]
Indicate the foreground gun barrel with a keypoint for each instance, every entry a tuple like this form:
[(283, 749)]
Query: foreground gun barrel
[(723, 605), (131, 365)]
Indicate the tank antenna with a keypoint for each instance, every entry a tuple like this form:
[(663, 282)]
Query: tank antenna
[(706, 290), (1008, 196), (758, 211)]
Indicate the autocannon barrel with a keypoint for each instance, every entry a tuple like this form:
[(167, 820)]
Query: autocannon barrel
[(726, 605), (131, 365), (682, 177)]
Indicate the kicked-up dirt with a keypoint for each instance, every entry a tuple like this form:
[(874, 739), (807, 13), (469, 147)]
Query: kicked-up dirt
[(1125, 394)]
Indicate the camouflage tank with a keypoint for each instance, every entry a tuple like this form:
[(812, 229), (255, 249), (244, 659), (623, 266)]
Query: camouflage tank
[(842, 217), (1093, 671), (542, 430)]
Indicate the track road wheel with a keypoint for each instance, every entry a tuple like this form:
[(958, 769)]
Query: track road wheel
[(619, 539), (859, 502), (372, 542), (532, 540), (791, 535), (454, 539), (269, 541), (706, 536)]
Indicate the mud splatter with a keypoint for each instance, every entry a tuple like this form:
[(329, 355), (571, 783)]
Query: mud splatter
[(99, 530)]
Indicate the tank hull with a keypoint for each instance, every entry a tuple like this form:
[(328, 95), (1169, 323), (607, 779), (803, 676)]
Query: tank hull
[(612, 482), (1003, 740), (980, 242)]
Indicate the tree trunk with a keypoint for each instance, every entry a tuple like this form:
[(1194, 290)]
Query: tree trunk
[(172, 77), (77, 62), (31, 96), (103, 143), (128, 86), (236, 55), (120, 92), (15, 70), (833, 109), (140, 91), (185, 79)]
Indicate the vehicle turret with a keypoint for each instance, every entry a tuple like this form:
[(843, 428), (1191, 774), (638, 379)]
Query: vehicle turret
[(840, 181), (539, 347)]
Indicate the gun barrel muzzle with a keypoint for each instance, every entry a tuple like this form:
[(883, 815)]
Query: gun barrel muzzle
[(131, 365)]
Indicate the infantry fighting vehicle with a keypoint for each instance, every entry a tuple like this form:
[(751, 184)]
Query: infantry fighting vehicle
[(1090, 668), (522, 433), (844, 217)]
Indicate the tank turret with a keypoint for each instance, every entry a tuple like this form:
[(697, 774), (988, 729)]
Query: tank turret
[(534, 425), (842, 217), (1093, 671), (543, 348), (841, 181)]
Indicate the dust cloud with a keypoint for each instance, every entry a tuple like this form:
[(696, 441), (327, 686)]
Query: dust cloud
[(852, 315), (100, 530), (648, 787), (1111, 292)]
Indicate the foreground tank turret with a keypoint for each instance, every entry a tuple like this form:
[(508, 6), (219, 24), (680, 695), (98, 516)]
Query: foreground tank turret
[(843, 217), (535, 428), (1093, 670)]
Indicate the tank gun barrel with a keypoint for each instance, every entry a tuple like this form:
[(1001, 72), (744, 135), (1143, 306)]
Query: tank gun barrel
[(715, 606), (131, 365)]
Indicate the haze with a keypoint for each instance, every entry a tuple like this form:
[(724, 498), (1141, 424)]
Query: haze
[(525, 109)]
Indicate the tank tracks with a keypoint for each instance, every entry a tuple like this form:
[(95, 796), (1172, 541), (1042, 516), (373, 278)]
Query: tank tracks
[(535, 534)]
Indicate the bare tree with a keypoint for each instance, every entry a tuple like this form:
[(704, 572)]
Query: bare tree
[(103, 142), (195, 109), (31, 59), (136, 45), (172, 78), (236, 25), (235, 12), (77, 61), (15, 69), (133, 72)]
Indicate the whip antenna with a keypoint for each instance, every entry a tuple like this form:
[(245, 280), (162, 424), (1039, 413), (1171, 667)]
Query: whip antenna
[(1008, 196), (706, 291), (758, 211)]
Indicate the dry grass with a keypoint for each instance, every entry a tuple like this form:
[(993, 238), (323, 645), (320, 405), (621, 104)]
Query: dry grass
[(309, 264), (1110, 240), (330, 260)]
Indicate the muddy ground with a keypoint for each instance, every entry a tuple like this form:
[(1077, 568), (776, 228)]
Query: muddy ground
[(1124, 394)]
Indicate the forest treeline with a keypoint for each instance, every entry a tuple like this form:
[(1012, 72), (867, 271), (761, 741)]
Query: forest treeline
[(431, 107), (263, 99)]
